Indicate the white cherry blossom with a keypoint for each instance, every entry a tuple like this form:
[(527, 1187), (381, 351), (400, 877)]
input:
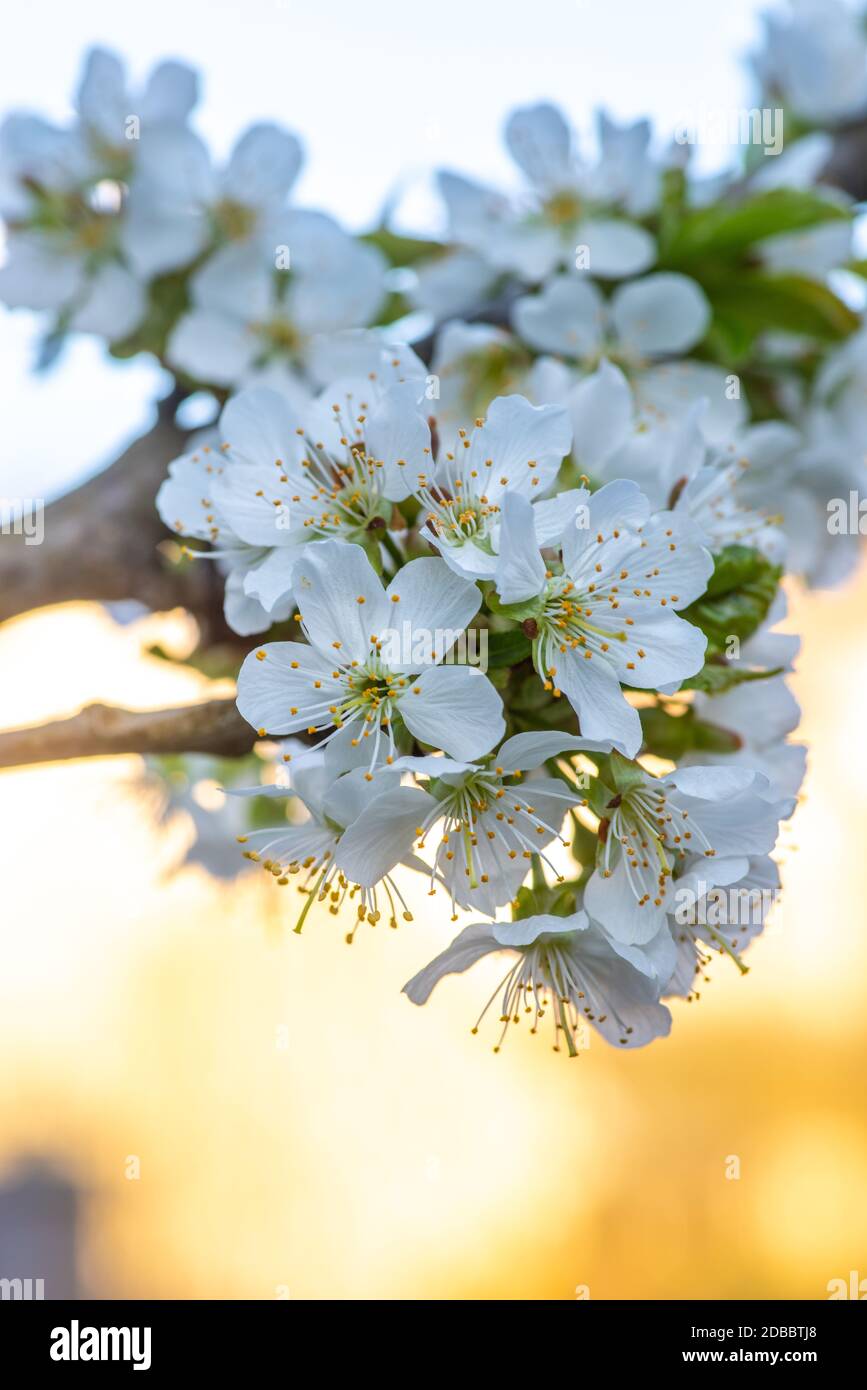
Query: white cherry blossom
[(340, 681), (309, 851), (490, 822), (606, 614), (568, 968), (659, 823), (721, 907)]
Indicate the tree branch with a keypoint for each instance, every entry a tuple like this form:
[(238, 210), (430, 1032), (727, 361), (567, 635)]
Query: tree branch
[(101, 543), (847, 166), (100, 731)]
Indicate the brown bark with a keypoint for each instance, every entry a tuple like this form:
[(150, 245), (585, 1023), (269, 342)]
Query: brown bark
[(847, 167), (100, 731), (101, 542)]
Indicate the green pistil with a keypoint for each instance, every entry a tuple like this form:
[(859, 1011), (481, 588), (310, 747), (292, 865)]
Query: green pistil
[(311, 896), (728, 949), (564, 1024)]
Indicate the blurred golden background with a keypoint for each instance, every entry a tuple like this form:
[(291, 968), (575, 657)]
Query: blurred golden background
[(300, 1130)]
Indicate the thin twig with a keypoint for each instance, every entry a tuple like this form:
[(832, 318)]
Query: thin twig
[(99, 731)]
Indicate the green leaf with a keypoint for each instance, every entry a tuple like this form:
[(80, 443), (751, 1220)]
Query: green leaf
[(738, 596), (671, 736), (672, 207), (746, 303), (715, 677), (727, 339), (402, 250), (395, 306), (726, 230), (508, 648), (733, 566)]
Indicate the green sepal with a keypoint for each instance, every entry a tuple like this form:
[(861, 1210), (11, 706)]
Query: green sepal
[(736, 602)]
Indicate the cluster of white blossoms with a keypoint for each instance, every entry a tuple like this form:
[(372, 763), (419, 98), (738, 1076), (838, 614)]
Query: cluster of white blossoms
[(814, 59), (348, 524), (120, 224), (512, 542)]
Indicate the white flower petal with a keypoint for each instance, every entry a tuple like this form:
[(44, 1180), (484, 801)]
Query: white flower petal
[(520, 572), (621, 999), (540, 142), (174, 169), (528, 929), (526, 443), (397, 436), (345, 294), (234, 281), (263, 166), (593, 690), (113, 305), (341, 599), (157, 237), (616, 248), (661, 314), (673, 650), (431, 599), (259, 425), (664, 393), (567, 317), (457, 709), (556, 515), (712, 783), (171, 92), (271, 580), (102, 98), (434, 765), (473, 208), (602, 409), (523, 752), (245, 615), (364, 353), (612, 902), (36, 275), (349, 796), (618, 506), (183, 498), (211, 348), (247, 494), (269, 689), (468, 946), (452, 283), (381, 837)]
